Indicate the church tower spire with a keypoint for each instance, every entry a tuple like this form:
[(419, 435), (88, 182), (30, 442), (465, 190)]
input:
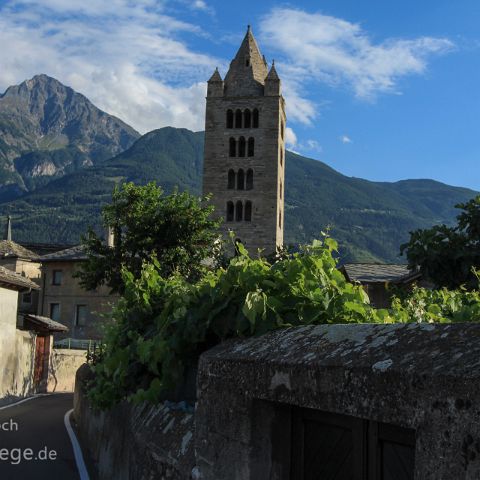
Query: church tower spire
[(244, 164), (247, 72)]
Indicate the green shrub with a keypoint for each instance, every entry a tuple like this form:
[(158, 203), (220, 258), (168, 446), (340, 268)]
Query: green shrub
[(162, 325)]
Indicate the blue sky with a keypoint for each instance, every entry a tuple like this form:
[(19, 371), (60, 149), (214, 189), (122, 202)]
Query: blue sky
[(383, 90)]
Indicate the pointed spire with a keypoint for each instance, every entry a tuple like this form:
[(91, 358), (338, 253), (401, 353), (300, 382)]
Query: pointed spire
[(216, 77), (215, 85), (272, 82), (247, 72), (272, 74), (8, 229)]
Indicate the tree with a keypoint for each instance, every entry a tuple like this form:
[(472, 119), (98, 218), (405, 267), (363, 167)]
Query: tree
[(448, 255), (177, 229)]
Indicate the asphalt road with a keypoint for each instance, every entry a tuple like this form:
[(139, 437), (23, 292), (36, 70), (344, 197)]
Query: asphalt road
[(34, 443)]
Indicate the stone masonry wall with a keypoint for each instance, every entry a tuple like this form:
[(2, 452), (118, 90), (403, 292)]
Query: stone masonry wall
[(419, 376), (245, 88), (70, 294), (17, 350), (139, 442), (62, 369)]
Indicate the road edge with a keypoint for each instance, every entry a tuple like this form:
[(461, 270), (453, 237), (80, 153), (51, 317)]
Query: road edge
[(77, 450)]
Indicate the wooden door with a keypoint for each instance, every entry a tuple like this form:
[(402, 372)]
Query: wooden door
[(328, 446), (42, 356)]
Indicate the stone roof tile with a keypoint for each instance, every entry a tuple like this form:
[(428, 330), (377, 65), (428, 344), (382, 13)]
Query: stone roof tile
[(8, 248), (76, 253), (14, 281), (378, 273), (46, 323)]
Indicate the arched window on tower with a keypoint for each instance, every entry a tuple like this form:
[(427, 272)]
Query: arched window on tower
[(230, 209), (280, 189), (241, 147), (229, 119), (280, 219), (282, 128), (231, 180), (248, 211), (238, 119), (251, 147), (240, 180), (255, 118), (281, 156), (233, 147), (249, 179), (239, 211), (247, 119)]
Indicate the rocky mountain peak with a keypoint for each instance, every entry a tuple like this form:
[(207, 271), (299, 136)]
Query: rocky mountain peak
[(47, 127)]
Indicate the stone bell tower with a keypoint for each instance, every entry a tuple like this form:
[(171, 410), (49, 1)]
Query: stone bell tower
[(244, 164)]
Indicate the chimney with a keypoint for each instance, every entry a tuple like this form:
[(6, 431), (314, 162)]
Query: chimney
[(110, 237), (8, 229)]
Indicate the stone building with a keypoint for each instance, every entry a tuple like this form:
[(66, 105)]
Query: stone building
[(244, 165), (23, 261), (64, 300), (17, 348), (381, 281)]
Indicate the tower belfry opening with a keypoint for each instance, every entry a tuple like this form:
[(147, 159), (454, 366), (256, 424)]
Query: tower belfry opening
[(244, 148)]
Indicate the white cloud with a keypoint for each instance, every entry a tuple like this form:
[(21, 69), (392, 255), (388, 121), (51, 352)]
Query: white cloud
[(123, 55), (345, 139), (316, 48), (290, 138), (314, 146), (200, 5)]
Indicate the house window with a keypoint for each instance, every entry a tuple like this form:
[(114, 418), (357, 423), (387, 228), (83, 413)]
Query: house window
[(57, 277), (80, 315), (55, 311), (27, 298)]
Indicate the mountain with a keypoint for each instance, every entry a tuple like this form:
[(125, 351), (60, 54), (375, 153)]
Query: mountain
[(370, 219), (48, 130)]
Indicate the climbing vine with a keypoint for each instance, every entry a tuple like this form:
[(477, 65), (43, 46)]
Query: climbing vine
[(161, 325)]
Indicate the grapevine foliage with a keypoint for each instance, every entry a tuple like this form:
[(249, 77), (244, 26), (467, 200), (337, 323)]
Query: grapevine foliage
[(161, 325)]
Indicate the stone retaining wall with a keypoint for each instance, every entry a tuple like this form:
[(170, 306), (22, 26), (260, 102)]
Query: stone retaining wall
[(421, 381), (420, 377), (136, 442), (62, 368)]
